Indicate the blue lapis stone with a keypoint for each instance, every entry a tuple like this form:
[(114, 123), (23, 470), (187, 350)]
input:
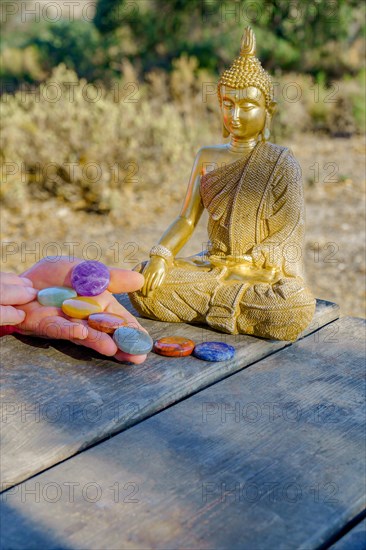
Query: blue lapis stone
[(214, 351), (133, 341)]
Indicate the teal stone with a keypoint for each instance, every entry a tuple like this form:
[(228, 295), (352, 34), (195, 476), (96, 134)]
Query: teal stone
[(133, 341), (55, 295)]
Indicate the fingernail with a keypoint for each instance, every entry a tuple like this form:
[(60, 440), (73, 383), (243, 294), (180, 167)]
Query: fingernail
[(27, 281), (31, 291), (84, 331)]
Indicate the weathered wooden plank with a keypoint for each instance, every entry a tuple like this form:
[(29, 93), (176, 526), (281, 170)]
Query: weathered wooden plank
[(58, 398), (272, 457), (353, 540)]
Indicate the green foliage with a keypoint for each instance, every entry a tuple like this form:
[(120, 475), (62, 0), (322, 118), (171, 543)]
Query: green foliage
[(75, 43), (108, 15), (290, 34), (308, 37), (160, 30)]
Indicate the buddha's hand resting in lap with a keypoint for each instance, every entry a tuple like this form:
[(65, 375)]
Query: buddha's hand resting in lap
[(154, 273)]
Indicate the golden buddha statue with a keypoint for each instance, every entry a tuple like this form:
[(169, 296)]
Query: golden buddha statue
[(250, 280)]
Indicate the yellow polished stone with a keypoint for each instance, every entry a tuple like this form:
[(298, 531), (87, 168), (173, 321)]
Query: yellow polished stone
[(81, 307)]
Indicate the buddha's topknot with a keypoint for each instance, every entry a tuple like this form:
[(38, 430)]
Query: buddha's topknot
[(247, 70)]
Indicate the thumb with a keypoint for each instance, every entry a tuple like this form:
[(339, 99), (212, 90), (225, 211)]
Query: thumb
[(9, 315)]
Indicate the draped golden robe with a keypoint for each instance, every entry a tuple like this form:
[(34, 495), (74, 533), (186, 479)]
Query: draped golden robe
[(251, 278)]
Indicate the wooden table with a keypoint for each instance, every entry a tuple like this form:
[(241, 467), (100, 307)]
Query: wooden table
[(264, 451)]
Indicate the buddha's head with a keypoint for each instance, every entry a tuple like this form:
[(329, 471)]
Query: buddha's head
[(245, 94)]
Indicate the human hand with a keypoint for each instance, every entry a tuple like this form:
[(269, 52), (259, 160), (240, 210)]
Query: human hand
[(51, 322), (14, 290), (154, 273)]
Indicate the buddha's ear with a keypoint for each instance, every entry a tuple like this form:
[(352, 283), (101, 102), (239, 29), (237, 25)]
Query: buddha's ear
[(272, 107)]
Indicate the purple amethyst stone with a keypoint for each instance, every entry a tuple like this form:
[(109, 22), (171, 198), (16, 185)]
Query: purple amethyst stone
[(90, 278)]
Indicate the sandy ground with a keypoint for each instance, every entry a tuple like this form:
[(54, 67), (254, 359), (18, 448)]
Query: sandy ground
[(334, 178)]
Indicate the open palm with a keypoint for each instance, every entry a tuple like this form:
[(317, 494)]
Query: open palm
[(51, 322)]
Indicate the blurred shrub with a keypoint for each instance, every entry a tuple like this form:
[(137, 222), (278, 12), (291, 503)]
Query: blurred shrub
[(340, 121), (308, 104), (93, 153), (354, 91), (292, 93), (19, 66), (100, 149)]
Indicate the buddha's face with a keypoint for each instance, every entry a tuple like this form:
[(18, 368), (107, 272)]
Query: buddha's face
[(243, 111)]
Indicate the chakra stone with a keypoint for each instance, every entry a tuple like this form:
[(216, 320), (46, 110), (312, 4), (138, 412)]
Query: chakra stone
[(174, 346), (133, 341), (81, 308), (214, 351), (106, 322), (55, 295), (90, 278)]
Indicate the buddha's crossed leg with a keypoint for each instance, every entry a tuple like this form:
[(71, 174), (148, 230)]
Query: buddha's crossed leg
[(279, 310)]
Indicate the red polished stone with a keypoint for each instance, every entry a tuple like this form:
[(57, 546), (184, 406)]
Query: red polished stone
[(174, 346), (106, 322)]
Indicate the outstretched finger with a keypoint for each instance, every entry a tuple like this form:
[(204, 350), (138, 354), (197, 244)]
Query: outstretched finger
[(16, 294), (137, 359), (57, 327), (116, 308), (9, 315), (14, 279), (98, 341), (104, 344), (124, 280)]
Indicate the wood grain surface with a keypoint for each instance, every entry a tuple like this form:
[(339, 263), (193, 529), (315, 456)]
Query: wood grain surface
[(59, 398), (271, 457), (355, 539)]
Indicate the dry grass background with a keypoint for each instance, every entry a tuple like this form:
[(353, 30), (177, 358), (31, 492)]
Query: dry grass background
[(143, 152)]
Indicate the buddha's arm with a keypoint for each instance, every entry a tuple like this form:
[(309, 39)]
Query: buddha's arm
[(179, 232)]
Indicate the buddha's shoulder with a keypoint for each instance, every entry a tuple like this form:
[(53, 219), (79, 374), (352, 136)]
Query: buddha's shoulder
[(222, 148), (281, 156), (218, 147), (270, 151), (274, 148), (208, 151), (287, 166)]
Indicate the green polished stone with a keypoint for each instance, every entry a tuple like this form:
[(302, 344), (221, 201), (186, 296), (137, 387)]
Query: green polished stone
[(55, 295)]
